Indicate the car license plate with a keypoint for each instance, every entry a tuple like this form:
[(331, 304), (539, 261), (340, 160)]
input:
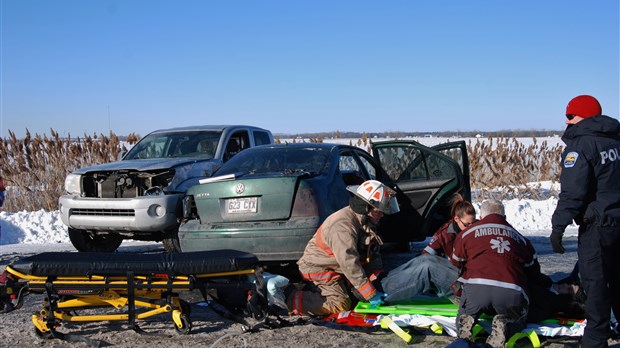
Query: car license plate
[(241, 205)]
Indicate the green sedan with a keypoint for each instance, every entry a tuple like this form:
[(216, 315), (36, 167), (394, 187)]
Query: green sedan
[(269, 200)]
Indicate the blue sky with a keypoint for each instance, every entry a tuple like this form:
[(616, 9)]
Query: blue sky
[(303, 66)]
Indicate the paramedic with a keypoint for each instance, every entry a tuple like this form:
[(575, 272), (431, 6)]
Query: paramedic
[(495, 261)]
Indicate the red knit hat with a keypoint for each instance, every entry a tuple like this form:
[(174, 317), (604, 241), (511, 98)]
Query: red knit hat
[(584, 106)]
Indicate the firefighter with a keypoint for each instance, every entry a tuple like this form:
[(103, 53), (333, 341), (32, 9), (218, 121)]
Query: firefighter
[(343, 254), (590, 196)]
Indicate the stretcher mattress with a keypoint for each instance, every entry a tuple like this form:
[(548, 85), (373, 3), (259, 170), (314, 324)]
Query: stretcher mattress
[(53, 264)]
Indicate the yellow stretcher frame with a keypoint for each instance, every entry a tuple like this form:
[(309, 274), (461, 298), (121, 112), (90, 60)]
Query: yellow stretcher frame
[(153, 295)]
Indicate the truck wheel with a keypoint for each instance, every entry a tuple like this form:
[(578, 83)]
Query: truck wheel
[(171, 241), (84, 241)]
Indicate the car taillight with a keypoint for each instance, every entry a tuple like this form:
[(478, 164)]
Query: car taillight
[(189, 208), (305, 203)]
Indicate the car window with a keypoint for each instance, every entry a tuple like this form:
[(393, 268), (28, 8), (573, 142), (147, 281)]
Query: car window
[(350, 169), (175, 144), (456, 155), (283, 160), (439, 167), (238, 141), (261, 138), (403, 163), (370, 166), (348, 163), (152, 148), (407, 163)]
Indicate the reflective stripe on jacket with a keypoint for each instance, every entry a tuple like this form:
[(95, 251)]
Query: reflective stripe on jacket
[(335, 250), (494, 253), (442, 242)]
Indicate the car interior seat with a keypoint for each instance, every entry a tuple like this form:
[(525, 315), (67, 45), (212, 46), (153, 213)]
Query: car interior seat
[(206, 147), (231, 149)]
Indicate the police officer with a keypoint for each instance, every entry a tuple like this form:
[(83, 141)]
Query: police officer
[(590, 195)]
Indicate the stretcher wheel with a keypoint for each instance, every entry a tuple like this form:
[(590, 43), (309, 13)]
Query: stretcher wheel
[(185, 307), (180, 318), (186, 326)]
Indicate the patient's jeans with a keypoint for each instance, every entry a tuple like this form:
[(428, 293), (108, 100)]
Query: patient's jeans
[(424, 274)]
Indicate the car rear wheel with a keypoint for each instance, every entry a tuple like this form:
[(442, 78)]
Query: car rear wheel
[(84, 241)]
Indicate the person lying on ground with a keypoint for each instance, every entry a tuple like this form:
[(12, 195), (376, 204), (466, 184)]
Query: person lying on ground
[(431, 273), (562, 299)]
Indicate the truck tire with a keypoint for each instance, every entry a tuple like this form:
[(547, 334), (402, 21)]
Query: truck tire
[(171, 241), (84, 241)]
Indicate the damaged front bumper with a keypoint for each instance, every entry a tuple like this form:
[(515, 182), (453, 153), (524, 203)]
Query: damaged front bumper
[(144, 214)]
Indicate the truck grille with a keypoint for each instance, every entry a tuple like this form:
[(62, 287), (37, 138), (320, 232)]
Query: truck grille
[(104, 212)]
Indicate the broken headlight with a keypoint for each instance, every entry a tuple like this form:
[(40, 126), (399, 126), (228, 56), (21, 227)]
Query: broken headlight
[(73, 184)]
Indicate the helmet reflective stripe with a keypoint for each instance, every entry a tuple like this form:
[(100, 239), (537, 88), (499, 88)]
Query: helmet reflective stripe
[(377, 195)]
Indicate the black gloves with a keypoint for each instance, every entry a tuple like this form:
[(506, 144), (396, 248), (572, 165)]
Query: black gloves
[(556, 242)]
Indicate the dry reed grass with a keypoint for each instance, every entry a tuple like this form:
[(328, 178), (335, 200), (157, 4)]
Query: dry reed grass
[(34, 168), (504, 168)]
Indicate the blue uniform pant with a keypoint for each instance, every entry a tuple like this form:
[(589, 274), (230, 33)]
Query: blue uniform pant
[(599, 267), (421, 275)]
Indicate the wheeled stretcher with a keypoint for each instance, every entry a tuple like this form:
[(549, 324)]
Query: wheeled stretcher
[(130, 286)]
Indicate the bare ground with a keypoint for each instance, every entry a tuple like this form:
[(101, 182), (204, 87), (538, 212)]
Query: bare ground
[(209, 330)]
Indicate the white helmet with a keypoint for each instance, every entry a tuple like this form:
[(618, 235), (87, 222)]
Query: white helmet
[(377, 195)]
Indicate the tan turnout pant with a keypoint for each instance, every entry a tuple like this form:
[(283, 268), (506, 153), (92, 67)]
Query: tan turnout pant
[(323, 298)]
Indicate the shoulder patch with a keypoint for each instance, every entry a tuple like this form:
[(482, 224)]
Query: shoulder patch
[(570, 159)]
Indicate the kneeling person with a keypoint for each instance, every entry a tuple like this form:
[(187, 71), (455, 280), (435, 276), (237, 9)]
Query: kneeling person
[(496, 260), (345, 250)]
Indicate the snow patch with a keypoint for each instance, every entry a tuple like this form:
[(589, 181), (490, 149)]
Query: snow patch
[(528, 216)]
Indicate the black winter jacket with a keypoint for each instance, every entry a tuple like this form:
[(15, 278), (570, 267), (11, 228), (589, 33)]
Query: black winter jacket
[(590, 179)]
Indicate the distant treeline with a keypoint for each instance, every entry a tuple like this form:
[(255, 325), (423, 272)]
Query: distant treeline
[(446, 134)]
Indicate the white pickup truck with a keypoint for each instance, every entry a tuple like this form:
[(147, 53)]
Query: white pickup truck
[(140, 197)]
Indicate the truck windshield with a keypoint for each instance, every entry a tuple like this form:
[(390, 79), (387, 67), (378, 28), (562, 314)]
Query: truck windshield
[(199, 144)]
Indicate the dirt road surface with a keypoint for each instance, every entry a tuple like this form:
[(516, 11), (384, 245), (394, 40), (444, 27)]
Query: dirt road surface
[(210, 329)]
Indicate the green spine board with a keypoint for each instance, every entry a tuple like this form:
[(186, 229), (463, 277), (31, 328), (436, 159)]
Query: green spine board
[(421, 306)]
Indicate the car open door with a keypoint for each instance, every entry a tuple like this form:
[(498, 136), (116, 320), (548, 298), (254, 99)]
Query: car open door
[(426, 180), (457, 150)]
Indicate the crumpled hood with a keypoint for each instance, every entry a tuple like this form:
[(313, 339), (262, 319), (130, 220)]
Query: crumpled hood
[(139, 165)]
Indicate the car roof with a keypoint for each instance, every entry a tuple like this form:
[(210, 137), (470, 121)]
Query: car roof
[(206, 128)]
